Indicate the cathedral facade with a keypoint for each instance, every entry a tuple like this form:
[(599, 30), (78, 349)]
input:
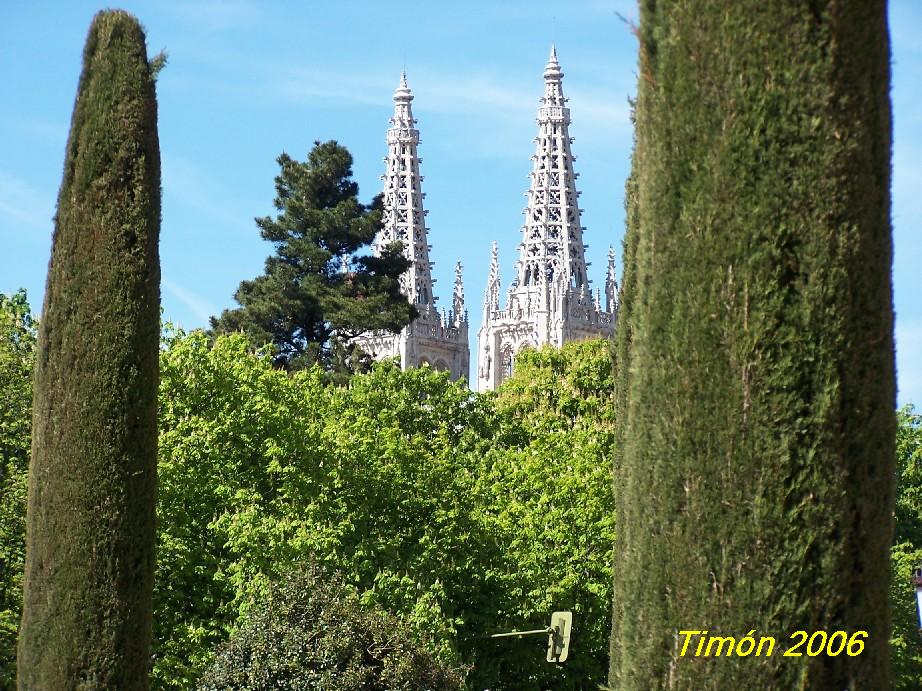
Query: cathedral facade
[(550, 300), (437, 339)]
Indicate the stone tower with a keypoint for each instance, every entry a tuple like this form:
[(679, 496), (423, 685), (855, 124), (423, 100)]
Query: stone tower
[(549, 300), (436, 339)]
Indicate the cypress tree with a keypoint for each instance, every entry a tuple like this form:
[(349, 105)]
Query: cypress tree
[(756, 373), (92, 481)]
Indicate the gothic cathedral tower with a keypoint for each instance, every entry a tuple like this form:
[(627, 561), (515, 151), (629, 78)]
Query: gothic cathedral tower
[(549, 300), (436, 339)]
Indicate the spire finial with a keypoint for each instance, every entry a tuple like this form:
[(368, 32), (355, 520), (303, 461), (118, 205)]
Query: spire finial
[(552, 70), (402, 93)]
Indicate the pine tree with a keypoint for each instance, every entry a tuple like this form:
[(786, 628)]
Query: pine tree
[(317, 292), (756, 364), (92, 482)]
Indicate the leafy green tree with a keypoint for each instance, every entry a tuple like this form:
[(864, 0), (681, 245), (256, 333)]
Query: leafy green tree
[(543, 487), (906, 554), (261, 470), (756, 369), (17, 357), (92, 482), (229, 421), (312, 632), (464, 515), (315, 286)]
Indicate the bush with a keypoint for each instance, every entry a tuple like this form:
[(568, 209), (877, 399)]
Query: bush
[(312, 632)]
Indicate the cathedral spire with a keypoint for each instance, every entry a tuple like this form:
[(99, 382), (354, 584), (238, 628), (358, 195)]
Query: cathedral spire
[(552, 237), (434, 338), (549, 300), (404, 216)]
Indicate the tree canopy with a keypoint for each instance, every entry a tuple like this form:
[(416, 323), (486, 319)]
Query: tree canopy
[(318, 290), (463, 514), (17, 355), (311, 632), (906, 554)]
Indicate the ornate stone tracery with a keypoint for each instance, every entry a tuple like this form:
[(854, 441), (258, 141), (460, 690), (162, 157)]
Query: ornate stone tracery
[(433, 339), (550, 300)]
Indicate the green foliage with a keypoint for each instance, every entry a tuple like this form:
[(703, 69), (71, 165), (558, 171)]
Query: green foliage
[(228, 422), (260, 470), (92, 481), (448, 508), (306, 293), (756, 378), (543, 487), (17, 355), (312, 632), (906, 554)]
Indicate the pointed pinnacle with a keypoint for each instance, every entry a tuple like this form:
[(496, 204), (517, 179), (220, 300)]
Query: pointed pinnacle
[(552, 69), (402, 93)]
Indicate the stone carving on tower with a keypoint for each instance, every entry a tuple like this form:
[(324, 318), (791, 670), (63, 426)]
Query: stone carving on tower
[(433, 338), (550, 300)]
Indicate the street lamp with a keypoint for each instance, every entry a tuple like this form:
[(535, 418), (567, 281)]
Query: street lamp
[(558, 636)]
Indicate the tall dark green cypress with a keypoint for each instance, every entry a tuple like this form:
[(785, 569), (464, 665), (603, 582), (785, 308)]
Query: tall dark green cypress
[(755, 346), (92, 481)]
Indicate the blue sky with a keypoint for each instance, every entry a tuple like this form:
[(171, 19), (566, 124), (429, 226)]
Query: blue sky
[(247, 80)]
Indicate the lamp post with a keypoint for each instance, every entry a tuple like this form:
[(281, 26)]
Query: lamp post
[(558, 636)]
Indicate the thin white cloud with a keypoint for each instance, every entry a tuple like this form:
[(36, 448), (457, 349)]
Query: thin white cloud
[(909, 360), (468, 94), (186, 182), (199, 306), (584, 9), (24, 204), (500, 112), (51, 132), (217, 15), (329, 88)]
